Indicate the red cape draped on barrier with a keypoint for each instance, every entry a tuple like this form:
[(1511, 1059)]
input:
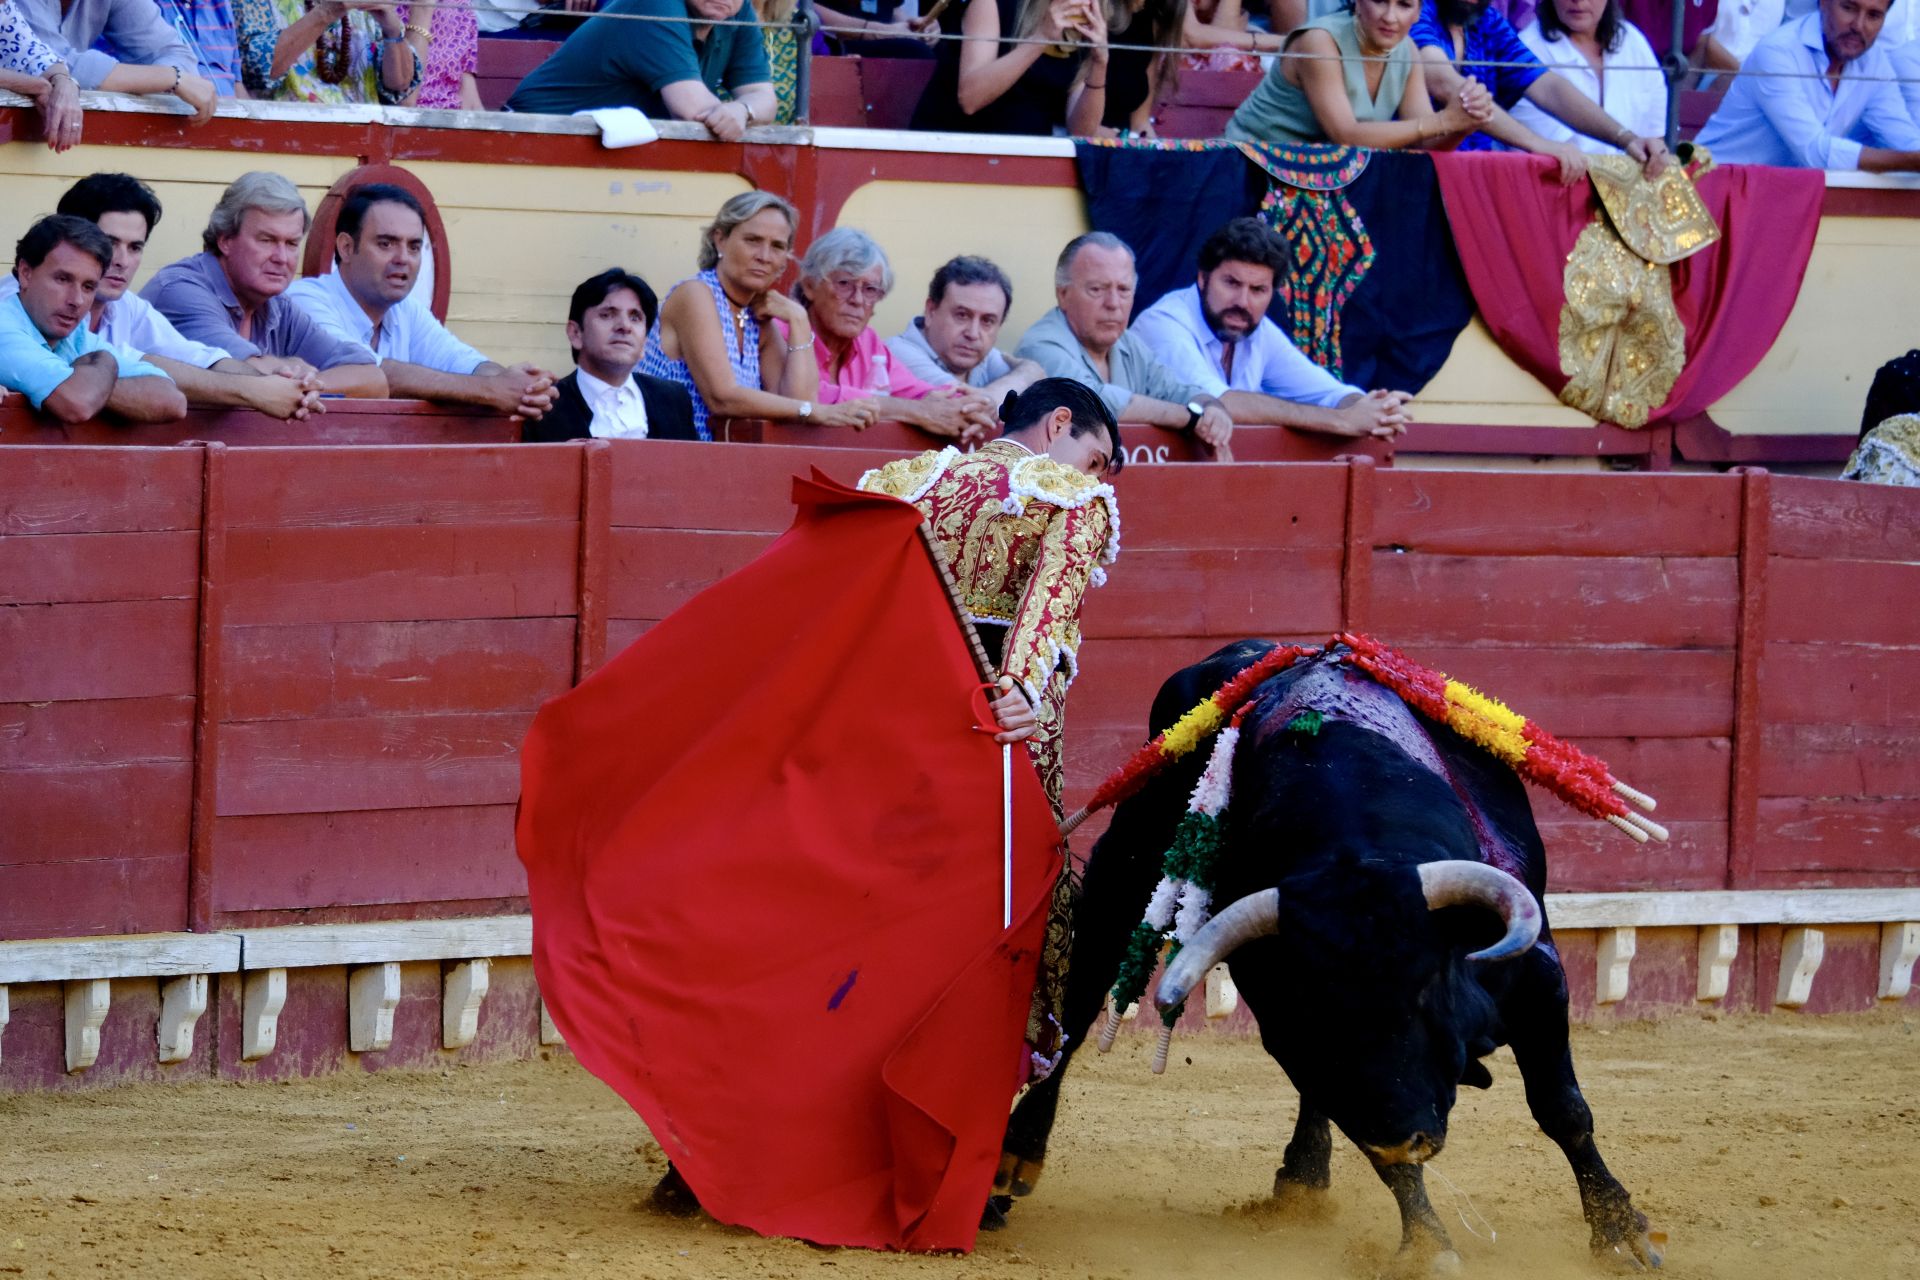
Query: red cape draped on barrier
[(1514, 226), (763, 847)]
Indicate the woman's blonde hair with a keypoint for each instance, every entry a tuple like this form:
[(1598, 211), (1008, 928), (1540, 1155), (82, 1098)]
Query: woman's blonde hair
[(741, 208), (775, 13)]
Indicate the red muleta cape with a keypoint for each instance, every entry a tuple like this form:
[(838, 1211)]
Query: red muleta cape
[(763, 847)]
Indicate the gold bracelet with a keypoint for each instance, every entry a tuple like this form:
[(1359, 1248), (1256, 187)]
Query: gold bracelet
[(412, 29)]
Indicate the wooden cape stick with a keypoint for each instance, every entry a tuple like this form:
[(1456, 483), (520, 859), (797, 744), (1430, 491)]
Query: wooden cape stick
[(988, 676)]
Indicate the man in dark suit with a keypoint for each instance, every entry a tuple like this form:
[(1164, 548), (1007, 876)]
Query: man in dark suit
[(607, 324)]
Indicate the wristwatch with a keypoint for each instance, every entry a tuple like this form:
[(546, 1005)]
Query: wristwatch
[(1195, 410), (806, 410)]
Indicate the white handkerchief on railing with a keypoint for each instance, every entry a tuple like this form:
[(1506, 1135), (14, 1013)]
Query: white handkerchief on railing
[(622, 126)]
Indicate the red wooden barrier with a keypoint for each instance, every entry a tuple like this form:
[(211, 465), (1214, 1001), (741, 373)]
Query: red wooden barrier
[(243, 686)]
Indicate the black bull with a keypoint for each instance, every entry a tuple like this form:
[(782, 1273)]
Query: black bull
[(1365, 994)]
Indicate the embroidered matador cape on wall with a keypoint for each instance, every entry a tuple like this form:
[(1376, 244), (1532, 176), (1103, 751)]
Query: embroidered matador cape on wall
[(763, 847)]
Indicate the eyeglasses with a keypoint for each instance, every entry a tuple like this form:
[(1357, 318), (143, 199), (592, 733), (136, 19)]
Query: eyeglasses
[(849, 290)]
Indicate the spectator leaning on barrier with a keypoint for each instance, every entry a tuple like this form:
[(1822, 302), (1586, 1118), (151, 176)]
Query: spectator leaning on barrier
[(155, 58), (126, 211), (1356, 82), (715, 335), (208, 29), (338, 52), (230, 296), (30, 68), (953, 340), (48, 353), (367, 300), (1086, 338), (1486, 47), (666, 57), (1605, 57), (1216, 334), (843, 277), (1817, 94), (875, 29), (607, 324)]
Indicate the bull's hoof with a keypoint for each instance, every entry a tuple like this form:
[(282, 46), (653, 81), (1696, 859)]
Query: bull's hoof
[(1629, 1246), (994, 1216), (1446, 1263), (1017, 1175), (673, 1197)]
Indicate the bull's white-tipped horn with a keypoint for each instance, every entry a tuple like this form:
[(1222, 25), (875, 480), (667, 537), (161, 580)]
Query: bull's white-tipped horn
[(1255, 916), (1475, 884)]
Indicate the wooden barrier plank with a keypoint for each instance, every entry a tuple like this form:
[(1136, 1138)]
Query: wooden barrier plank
[(101, 896), (1839, 760), (1831, 601), (1842, 833), (1665, 602), (1487, 512), (428, 572), (77, 813), (402, 486), (99, 567), (75, 489), (1156, 591), (1600, 693), (673, 484), (1837, 519), (1688, 776), (655, 571), (397, 668), (1585, 855), (376, 762), (1276, 508), (1841, 684), (288, 861), (119, 649), (51, 735)]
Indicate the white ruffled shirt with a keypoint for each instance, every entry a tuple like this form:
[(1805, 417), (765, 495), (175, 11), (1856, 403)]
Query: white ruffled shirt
[(619, 413)]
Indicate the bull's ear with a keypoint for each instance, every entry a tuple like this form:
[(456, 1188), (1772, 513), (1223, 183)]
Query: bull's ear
[(1476, 1075)]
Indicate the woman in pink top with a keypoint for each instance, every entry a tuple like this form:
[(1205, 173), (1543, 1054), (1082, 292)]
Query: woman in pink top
[(452, 56), (843, 277)]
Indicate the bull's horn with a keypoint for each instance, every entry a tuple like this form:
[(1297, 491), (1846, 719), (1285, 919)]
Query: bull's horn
[(1254, 916), (1475, 884)]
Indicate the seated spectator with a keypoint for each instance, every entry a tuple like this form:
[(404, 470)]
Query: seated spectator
[(450, 49), (1818, 95), (333, 51), (667, 69), (843, 277), (156, 59), (873, 29), (607, 325), (1086, 338), (1134, 74), (30, 68), (367, 300), (1474, 35), (208, 28), (1357, 83), (714, 337), (1606, 58), (48, 353), (1055, 78), (127, 211), (1216, 335), (952, 342), (230, 296), (1737, 28)]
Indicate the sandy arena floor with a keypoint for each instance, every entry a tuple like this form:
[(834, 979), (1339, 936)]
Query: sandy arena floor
[(1765, 1147)]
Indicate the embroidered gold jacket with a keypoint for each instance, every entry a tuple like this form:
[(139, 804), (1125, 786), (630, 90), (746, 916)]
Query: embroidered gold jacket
[(1024, 535)]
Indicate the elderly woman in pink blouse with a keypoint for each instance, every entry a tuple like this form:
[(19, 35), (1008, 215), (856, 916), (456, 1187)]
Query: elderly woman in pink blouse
[(843, 277)]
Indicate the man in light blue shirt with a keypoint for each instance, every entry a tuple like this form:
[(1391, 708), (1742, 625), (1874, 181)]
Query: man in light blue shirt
[(1216, 335), (1816, 94), (368, 299), (49, 354)]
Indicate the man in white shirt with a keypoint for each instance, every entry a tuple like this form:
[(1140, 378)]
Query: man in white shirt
[(127, 211), (607, 323), (368, 298), (1818, 94), (952, 343), (1215, 334)]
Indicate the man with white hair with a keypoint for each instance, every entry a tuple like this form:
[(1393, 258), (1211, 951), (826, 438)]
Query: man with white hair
[(1086, 338), (231, 295)]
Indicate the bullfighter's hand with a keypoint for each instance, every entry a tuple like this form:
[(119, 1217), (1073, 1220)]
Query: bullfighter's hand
[(1013, 713)]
